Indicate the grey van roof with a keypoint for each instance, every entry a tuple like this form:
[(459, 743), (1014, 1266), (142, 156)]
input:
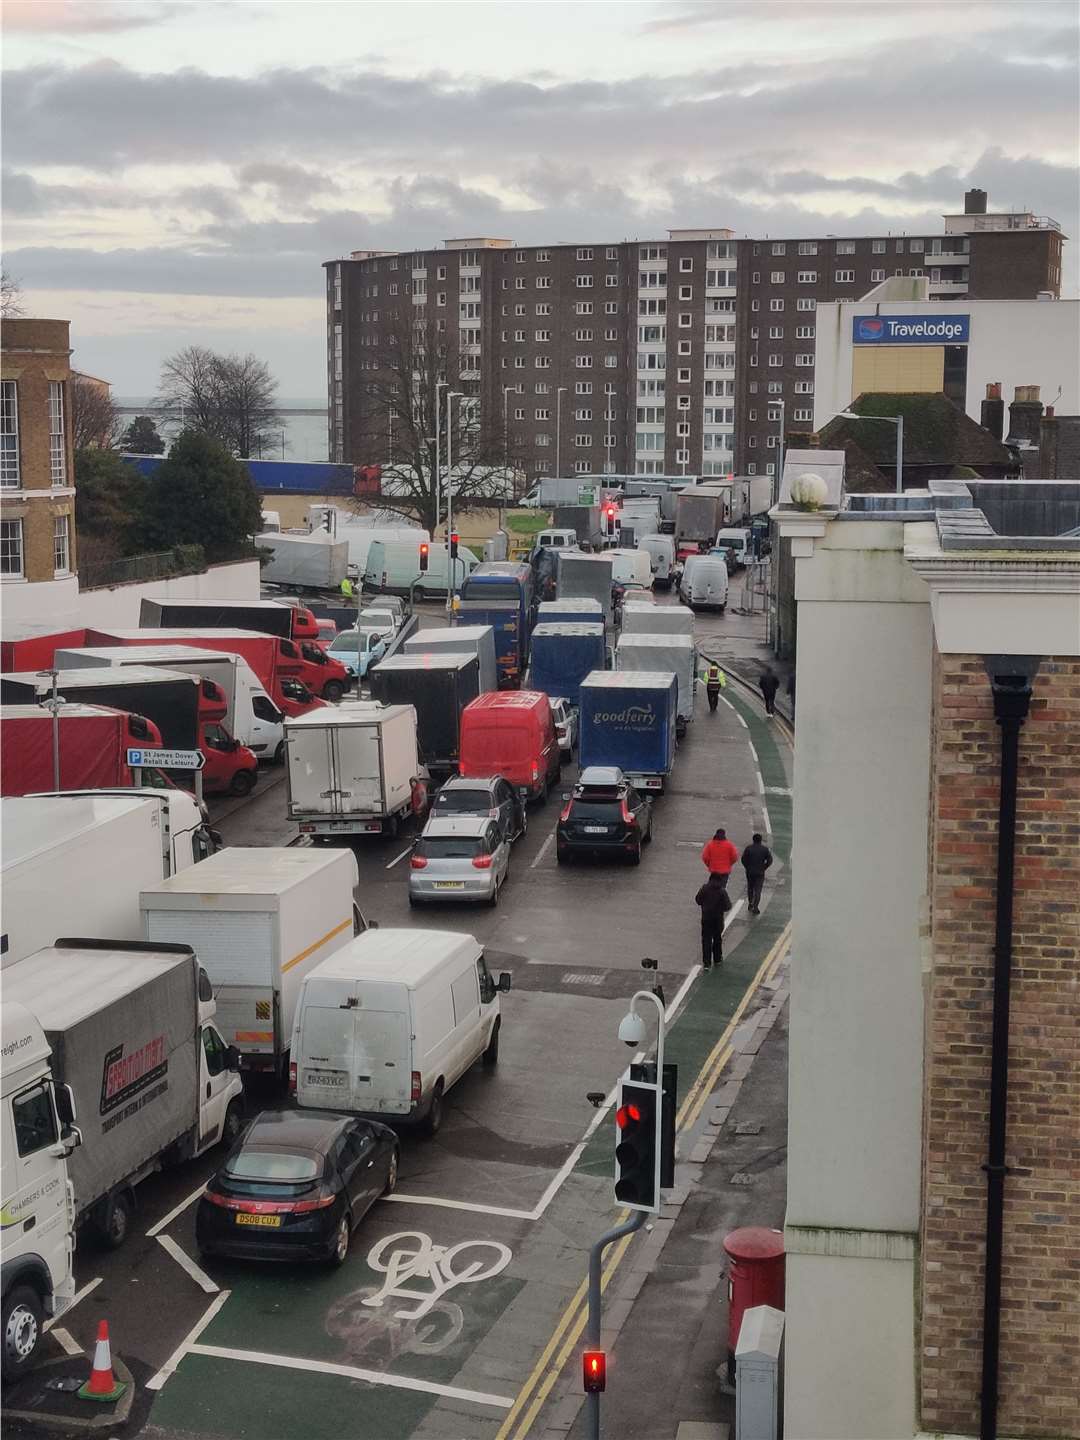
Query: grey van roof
[(401, 957)]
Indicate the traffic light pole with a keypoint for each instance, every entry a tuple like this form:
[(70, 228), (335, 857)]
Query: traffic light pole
[(596, 1256)]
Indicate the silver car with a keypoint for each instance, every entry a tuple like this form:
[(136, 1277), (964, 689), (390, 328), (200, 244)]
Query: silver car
[(465, 857)]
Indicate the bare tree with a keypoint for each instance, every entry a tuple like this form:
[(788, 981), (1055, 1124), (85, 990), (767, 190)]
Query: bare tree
[(11, 296), (93, 414), (405, 400), (231, 398)]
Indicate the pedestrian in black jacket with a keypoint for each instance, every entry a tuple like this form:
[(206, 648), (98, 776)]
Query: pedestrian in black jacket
[(756, 859), (768, 685), (715, 903)]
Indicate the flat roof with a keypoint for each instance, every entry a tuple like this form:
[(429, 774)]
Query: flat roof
[(62, 985), (403, 957), (255, 870), (35, 825)]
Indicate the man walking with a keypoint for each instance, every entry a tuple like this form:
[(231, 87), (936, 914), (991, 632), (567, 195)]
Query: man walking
[(756, 859), (714, 902), (720, 856), (768, 685)]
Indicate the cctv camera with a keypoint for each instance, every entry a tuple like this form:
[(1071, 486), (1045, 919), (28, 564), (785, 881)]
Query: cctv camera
[(632, 1029)]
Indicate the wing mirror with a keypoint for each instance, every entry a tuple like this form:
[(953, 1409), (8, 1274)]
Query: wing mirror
[(504, 981), (232, 1057)]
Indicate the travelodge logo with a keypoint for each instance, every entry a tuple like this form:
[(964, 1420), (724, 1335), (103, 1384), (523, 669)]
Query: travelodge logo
[(910, 329), (869, 328)]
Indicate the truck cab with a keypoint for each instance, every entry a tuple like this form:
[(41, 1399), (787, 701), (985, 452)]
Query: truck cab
[(38, 1201)]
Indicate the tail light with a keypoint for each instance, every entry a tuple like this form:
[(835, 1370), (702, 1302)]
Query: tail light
[(418, 862), (481, 862), (269, 1207), (292, 1077), (493, 813), (536, 772), (566, 813), (627, 815), (416, 1088)]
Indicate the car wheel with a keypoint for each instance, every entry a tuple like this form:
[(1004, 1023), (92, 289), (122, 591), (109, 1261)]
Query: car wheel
[(333, 690), (561, 857), (635, 855), (391, 1174), (234, 1123), (116, 1221), (414, 903), (524, 823), (493, 898), (491, 1054), (22, 1322), (243, 782), (648, 834), (434, 1118), (342, 1236), (279, 753)]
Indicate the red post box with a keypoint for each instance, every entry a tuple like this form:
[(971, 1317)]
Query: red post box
[(755, 1277)]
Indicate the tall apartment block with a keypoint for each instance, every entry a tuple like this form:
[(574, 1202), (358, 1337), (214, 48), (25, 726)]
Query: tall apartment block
[(651, 357)]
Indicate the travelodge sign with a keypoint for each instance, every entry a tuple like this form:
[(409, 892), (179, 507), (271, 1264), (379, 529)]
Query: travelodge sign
[(910, 329)]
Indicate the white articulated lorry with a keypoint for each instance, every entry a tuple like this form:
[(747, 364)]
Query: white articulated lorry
[(76, 861), (259, 919), (350, 768), (131, 1031)]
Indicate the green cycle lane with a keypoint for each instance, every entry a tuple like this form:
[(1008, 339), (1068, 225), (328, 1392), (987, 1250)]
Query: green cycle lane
[(715, 995)]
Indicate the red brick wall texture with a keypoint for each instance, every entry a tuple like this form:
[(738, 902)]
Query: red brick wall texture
[(1040, 1340)]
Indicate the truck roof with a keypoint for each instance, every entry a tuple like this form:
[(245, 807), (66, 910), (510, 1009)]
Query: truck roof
[(69, 712), (587, 604), (23, 1039), (404, 957), (34, 824), (446, 634), (428, 660), (261, 870), (646, 639), (128, 655), (179, 633), (567, 627), (63, 984), (92, 677), (627, 680), (346, 715), (205, 604)]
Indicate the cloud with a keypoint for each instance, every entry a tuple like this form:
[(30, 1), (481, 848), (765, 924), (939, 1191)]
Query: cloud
[(293, 183), (68, 17)]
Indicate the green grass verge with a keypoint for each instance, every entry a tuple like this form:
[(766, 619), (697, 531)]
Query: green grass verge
[(527, 522)]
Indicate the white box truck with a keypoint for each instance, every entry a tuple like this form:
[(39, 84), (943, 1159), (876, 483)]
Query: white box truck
[(36, 1193), (131, 1031), (586, 577), (677, 653), (387, 1025), (478, 640), (350, 768), (75, 862), (641, 618), (259, 919), (311, 562), (252, 718)]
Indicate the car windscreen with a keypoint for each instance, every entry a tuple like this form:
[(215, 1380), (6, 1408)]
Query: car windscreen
[(275, 1167), (463, 802), (347, 640), (450, 847)]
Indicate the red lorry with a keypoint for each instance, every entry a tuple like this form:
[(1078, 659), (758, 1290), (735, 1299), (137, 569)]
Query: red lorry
[(35, 652), (271, 617), (94, 741), (274, 660)]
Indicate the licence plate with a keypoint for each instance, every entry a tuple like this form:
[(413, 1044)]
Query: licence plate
[(315, 1077), (449, 884), (596, 829), (267, 1222)]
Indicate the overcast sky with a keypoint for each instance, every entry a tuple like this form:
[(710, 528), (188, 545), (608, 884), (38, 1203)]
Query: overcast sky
[(177, 172)]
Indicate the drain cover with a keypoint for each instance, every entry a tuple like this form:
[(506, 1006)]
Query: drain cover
[(587, 977), (742, 1177), (748, 1127)]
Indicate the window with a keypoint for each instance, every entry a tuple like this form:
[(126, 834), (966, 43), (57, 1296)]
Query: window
[(519, 257), (543, 439), (542, 415), (779, 248), (35, 1120), (776, 387), (771, 442), (520, 309), (845, 277), (877, 247), (583, 414), (653, 252), (720, 279), (540, 388), (686, 265), (807, 247), (807, 304), (583, 282), (802, 414), (519, 362), (752, 442), (542, 336), (805, 359), (684, 347), (775, 361), (9, 435), (543, 282), (611, 362), (845, 247), (582, 442), (611, 307), (11, 548), (609, 440), (916, 272), (756, 276), (917, 247), (611, 253), (686, 292), (776, 332), (519, 283), (807, 277), (682, 429), (582, 467), (611, 334), (543, 308), (755, 304), (720, 250), (804, 387), (876, 275), (899, 247), (543, 256), (652, 414), (519, 336), (652, 279), (584, 252), (804, 332), (583, 362), (543, 362), (611, 279), (684, 377), (583, 307), (582, 387), (61, 545), (582, 334), (776, 277), (57, 446), (776, 305)]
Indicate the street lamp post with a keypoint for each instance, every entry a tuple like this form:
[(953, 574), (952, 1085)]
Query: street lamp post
[(898, 421), (609, 411), (451, 572), (558, 430)]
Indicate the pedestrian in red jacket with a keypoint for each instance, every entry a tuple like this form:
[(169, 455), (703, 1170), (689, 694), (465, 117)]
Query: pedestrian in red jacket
[(720, 856)]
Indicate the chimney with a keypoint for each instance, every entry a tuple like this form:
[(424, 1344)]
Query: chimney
[(1025, 418), (975, 202), (992, 415)]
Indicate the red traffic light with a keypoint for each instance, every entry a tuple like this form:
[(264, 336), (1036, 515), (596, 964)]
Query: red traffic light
[(627, 1115), (424, 552), (594, 1371)]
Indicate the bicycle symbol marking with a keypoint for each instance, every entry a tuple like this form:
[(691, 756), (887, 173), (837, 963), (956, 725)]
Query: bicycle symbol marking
[(410, 1255)]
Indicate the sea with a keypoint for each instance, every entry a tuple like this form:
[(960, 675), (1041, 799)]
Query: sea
[(299, 433)]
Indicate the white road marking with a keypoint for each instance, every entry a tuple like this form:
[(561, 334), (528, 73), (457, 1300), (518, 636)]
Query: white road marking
[(353, 1372), (79, 1295), (184, 1260), (69, 1345), (166, 1220), (398, 858), (697, 844), (730, 916), (768, 822), (544, 848), (760, 782), (776, 790), (738, 717), (188, 1342)]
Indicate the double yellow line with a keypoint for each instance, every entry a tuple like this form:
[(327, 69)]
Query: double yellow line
[(532, 1395)]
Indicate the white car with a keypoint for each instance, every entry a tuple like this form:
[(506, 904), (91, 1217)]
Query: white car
[(566, 725)]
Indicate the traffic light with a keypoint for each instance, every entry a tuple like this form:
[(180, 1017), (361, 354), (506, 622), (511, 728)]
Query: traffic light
[(594, 1371), (610, 512), (424, 552), (453, 545), (637, 1146)]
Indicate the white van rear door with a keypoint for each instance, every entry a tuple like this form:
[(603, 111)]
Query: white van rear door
[(325, 1056), (381, 1074)]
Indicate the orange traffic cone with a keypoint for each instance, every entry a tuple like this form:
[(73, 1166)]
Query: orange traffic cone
[(103, 1384)]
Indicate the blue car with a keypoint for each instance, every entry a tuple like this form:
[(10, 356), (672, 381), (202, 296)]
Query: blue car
[(358, 650)]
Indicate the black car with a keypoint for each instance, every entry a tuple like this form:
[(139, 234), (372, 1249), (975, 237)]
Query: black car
[(491, 795), (295, 1186), (604, 815)]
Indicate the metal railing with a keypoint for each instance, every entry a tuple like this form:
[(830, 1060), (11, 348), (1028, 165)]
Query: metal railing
[(158, 565)]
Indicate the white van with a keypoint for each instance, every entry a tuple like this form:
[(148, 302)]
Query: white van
[(395, 566), (661, 552), (630, 567), (389, 1022), (704, 583), (739, 543)]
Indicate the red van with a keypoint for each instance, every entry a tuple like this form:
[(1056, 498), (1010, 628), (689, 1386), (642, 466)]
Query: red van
[(511, 733)]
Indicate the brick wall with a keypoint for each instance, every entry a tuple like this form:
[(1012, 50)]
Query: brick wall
[(1040, 1340)]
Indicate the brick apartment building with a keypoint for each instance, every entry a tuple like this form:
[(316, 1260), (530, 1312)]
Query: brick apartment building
[(650, 357), (37, 477)]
